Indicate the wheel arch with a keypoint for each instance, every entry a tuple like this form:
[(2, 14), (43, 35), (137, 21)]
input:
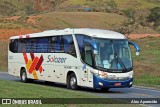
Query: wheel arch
[(69, 73)]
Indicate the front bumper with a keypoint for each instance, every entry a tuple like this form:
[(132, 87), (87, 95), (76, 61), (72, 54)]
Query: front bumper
[(102, 83)]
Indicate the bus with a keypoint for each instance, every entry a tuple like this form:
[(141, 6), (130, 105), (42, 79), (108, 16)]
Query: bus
[(77, 57)]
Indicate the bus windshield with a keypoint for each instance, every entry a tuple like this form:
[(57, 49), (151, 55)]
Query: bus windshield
[(113, 54)]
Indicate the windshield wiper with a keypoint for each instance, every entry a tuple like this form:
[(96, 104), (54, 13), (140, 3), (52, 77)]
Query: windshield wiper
[(120, 61)]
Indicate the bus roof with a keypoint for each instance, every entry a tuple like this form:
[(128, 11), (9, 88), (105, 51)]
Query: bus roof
[(97, 33)]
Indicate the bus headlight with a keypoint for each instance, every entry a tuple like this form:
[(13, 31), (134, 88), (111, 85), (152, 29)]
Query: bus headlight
[(102, 74), (99, 75)]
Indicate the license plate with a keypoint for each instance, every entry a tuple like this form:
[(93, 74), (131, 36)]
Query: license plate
[(117, 84)]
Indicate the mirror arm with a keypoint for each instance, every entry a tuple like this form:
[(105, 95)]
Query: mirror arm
[(136, 46)]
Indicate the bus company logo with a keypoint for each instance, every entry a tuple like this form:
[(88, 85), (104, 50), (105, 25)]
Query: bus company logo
[(6, 101), (34, 64), (56, 59)]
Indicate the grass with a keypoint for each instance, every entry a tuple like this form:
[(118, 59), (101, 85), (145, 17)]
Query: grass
[(30, 90), (147, 71), (42, 91), (137, 4), (148, 80), (80, 2), (62, 20), (10, 26), (20, 23), (140, 6), (3, 56), (20, 6), (99, 20)]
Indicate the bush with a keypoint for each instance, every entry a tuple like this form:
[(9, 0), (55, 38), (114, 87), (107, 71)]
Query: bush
[(158, 29), (154, 16), (130, 12), (111, 6), (29, 10)]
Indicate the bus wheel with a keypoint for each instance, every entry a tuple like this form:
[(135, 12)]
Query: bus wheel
[(104, 89), (73, 82), (24, 76)]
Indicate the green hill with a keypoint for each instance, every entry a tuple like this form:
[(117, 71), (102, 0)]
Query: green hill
[(120, 4), (111, 13), (27, 7), (60, 20), (21, 7)]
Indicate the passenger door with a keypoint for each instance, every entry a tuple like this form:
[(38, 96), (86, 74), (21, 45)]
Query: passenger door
[(87, 68)]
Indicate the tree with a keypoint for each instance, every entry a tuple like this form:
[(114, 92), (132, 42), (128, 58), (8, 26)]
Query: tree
[(126, 27)]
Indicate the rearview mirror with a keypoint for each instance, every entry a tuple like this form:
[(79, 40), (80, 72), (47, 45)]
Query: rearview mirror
[(136, 46), (93, 45)]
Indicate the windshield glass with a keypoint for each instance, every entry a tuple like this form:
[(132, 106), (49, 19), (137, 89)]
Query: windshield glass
[(113, 54)]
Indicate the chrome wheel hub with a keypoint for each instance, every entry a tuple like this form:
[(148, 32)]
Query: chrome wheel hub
[(73, 82), (23, 76)]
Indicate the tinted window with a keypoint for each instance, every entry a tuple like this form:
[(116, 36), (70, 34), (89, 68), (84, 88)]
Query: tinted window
[(68, 45), (13, 45), (22, 45), (88, 55), (58, 44), (41, 45), (80, 39)]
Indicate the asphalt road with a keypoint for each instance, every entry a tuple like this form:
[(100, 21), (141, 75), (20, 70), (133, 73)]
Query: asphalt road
[(133, 92)]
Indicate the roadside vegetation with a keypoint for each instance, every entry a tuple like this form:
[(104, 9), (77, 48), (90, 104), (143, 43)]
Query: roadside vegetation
[(3, 56), (146, 12), (19, 17), (39, 90), (147, 63)]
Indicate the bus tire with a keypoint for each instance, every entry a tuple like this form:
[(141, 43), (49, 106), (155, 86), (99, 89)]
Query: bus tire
[(72, 82), (23, 76), (104, 89)]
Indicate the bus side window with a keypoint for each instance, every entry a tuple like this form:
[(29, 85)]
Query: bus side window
[(13, 45), (80, 39), (42, 45), (29, 44), (51, 43), (32, 45), (21, 45), (69, 46), (57, 42), (88, 55)]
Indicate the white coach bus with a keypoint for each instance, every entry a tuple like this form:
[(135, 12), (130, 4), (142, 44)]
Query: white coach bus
[(86, 57)]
